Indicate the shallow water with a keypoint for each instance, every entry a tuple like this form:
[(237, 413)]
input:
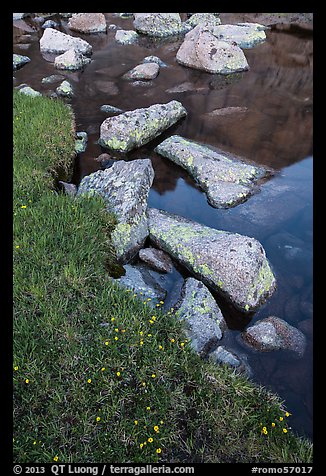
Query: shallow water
[(273, 128)]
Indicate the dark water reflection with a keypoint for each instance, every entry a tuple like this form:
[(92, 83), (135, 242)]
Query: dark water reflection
[(274, 128)]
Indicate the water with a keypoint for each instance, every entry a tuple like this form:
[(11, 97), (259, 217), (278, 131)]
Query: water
[(272, 128)]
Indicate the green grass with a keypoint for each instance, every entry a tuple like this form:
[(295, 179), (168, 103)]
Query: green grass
[(79, 386)]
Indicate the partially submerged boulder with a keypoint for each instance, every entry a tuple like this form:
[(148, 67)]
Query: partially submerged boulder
[(54, 41), (245, 35), (18, 61), (143, 71), (124, 187), (201, 315), (28, 91), (206, 19), (273, 333), (65, 89), (158, 24), (231, 264), (81, 142), (222, 355), (202, 50), (126, 37), (71, 60), (88, 22), (156, 259), (133, 129), (225, 178), (154, 59)]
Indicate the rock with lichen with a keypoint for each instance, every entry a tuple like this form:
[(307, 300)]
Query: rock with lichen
[(231, 264), (202, 317), (159, 24), (145, 71), (245, 35), (65, 89), (71, 60), (18, 61), (156, 259), (54, 41), (226, 179), (202, 50), (133, 129), (124, 188), (126, 37), (206, 19)]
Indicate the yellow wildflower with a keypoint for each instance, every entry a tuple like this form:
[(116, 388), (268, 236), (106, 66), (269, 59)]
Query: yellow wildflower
[(153, 375), (281, 418), (141, 445), (273, 424), (118, 374), (26, 380), (136, 422), (34, 442), (89, 380), (98, 418), (150, 440), (156, 428), (148, 408), (23, 206), (285, 430), (158, 451), (287, 414), (172, 340), (160, 347), (116, 330), (141, 342), (56, 458), (16, 367), (116, 338), (106, 342)]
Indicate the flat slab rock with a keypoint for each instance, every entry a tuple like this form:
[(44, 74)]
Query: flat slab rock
[(88, 22), (245, 35), (201, 315), (54, 41), (226, 180), (158, 24), (124, 187), (157, 259), (143, 71), (231, 264), (133, 129), (141, 282), (202, 50), (273, 333)]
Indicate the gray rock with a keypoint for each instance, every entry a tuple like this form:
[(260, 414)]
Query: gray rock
[(66, 15), (81, 142), (158, 24), (125, 15), (143, 71), (126, 37), (185, 87), (69, 188), (154, 59), (88, 22), (108, 87), (108, 108), (53, 78), (103, 159), (273, 333), (231, 264), (54, 41), (39, 20), (50, 24), (29, 91), (225, 111), (245, 35), (20, 16), (18, 61), (156, 259), (206, 19), (141, 282), (112, 26), (65, 89), (71, 60), (221, 355), (201, 315), (133, 129), (202, 50), (124, 187), (226, 179)]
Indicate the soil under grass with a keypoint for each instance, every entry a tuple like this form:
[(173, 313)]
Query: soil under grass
[(97, 378)]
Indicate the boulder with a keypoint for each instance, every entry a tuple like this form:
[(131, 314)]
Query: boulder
[(202, 50), (65, 89), (158, 24), (201, 315), (81, 142), (156, 259), (143, 71), (126, 37), (133, 129), (109, 108), (18, 61), (206, 19), (273, 333), (29, 91), (124, 188), (245, 35), (49, 24), (225, 178), (154, 59), (71, 60), (234, 265), (54, 41), (88, 22), (141, 282)]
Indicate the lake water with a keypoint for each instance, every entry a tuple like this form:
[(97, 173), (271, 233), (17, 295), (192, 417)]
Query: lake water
[(273, 128)]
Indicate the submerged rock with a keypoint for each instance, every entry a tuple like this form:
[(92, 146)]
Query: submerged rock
[(18, 61), (126, 37), (133, 129), (206, 19), (54, 41), (201, 315), (231, 264), (273, 333), (71, 60), (88, 22), (81, 142), (245, 35), (29, 91), (157, 259), (109, 108), (226, 179), (202, 50), (124, 187), (158, 24), (140, 281), (143, 71), (221, 355), (154, 59), (65, 89), (53, 78)]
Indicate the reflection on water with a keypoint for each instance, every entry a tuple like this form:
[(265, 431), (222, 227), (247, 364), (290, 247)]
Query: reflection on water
[(273, 128)]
